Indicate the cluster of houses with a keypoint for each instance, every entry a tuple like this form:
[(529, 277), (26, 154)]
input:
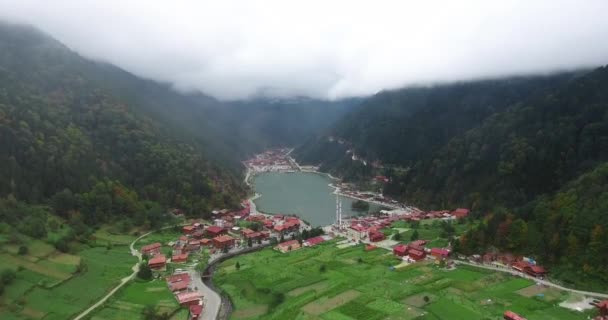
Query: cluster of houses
[(417, 215), (518, 263), (416, 251), (181, 286), (369, 227), (292, 245), (271, 160)]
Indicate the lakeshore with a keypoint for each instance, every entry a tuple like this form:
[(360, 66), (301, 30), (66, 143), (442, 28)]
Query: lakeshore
[(280, 161)]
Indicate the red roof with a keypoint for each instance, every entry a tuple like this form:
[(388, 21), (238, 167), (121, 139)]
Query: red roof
[(513, 316), (461, 212), (224, 238), (520, 265), (183, 238), (150, 247), (159, 259), (179, 278), (538, 269), (215, 229), (187, 297), (288, 243), (358, 228), (315, 241), (418, 243), (180, 257), (196, 310), (416, 254), (440, 252), (400, 248), (179, 286)]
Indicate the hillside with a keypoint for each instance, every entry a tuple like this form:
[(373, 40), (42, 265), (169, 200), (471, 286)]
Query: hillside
[(91, 153), (399, 128), (532, 166)]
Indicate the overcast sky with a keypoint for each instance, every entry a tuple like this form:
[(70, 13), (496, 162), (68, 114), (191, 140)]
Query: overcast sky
[(324, 49)]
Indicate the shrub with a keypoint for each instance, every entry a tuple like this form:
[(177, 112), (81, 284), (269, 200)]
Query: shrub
[(23, 250)]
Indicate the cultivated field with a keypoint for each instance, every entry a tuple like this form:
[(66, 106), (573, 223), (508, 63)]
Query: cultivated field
[(129, 302), (48, 284), (271, 285)]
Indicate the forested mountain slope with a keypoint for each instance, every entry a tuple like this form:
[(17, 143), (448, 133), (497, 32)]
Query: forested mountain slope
[(532, 148), (533, 167), (67, 141), (403, 126)]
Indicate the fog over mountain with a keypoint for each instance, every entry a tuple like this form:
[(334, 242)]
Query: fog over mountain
[(323, 49)]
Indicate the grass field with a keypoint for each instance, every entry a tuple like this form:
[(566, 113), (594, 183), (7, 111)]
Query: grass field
[(271, 285), (131, 300), (47, 287)]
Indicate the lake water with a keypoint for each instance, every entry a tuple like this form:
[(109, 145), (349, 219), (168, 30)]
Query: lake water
[(305, 194)]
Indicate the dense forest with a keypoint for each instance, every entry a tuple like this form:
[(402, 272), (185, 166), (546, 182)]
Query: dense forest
[(72, 149), (91, 143), (519, 152)]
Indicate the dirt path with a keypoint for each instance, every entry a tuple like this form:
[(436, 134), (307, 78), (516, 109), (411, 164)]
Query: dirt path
[(124, 280)]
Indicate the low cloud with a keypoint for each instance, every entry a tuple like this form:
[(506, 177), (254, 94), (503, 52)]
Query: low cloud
[(323, 49)]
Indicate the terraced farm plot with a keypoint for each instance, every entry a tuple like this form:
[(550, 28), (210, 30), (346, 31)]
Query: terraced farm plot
[(47, 289), (130, 301), (294, 286)]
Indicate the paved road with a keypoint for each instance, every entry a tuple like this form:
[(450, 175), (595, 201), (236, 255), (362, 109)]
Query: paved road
[(211, 300), (543, 282)]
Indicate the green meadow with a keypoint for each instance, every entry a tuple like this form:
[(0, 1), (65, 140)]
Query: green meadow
[(54, 285), (328, 283), (130, 301)]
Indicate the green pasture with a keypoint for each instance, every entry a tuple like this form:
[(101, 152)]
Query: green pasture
[(359, 284)]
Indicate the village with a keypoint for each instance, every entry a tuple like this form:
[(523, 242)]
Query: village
[(231, 231), (393, 229)]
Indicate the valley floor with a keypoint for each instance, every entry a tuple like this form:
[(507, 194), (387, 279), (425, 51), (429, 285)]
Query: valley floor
[(326, 282)]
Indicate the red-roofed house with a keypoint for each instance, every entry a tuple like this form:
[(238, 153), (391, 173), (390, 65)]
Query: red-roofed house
[(520, 266), (440, 253), (460, 213), (418, 243), (188, 298), (198, 234), (179, 278), (603, 307), (214, 231), (246, 231), (223, 241), (400, 250), (416, 254), (288, 246), (313, 241), (180, 258), (151, 249), (188, 229), (510, 315), (196, 311), (179, 286), (158, 262), (206, 242), (375, 236), (254, 236), (357, 230), (535, 271)]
